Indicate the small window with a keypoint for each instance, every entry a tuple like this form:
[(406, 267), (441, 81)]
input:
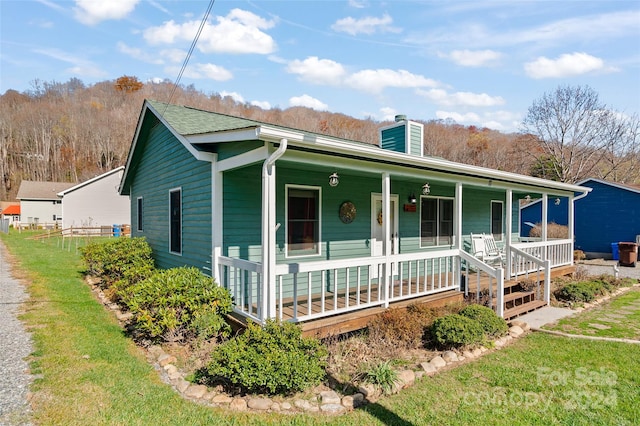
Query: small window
[(436, 221), (496, 220), (303, 221), (175, 221), (139, 214)]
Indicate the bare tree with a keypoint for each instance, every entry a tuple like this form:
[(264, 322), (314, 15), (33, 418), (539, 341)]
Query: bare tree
[(577, 132)]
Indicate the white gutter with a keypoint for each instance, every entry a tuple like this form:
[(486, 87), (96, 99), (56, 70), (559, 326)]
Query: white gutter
[(269, 232)]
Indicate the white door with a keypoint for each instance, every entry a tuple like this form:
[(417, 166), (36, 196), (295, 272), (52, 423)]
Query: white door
[(377, 225)]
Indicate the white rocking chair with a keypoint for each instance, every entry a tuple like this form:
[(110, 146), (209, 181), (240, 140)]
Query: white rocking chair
[(484, 247)]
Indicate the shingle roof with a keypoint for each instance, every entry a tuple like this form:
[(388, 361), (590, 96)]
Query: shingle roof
[(37, 190), (191, 121)]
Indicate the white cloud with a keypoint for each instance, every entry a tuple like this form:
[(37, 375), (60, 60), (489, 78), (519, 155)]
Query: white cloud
[(174, 55), (474, 58), (564, 66), (366, 25), (309, 102), (441, 97), (139, 54), (157, 80), (238, 32), (358, 4), (200, 71), (233, 95), (91, 12), (388, 113), (261, 104), (80, 66), (458, 117), (317, 71), (375, 81)]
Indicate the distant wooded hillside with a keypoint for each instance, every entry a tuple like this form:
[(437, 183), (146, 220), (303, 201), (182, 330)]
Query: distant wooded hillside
[(71, 132)]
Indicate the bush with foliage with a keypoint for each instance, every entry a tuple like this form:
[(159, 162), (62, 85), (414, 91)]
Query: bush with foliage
[(178, 304), (382, 375), (456, 330), (117, 259), (274, 359), (492, 324), (583, 291)]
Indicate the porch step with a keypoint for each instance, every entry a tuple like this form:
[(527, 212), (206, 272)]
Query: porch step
[(523, 309), (514, 296)]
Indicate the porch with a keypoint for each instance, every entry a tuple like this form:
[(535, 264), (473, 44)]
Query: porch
[(338, 296)]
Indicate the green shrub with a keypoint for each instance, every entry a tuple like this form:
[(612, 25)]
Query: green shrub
[(382, 375), (178, 304), (583, 291), (456, 330), (274, 359), (493, 325), (111, 260)]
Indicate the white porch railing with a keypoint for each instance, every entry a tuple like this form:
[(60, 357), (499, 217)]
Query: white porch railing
[(312, 290)]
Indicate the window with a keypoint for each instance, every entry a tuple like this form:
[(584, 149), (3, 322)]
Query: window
[(175, 221), (303, 221), (436, 221), (139, 214), (496, 220)]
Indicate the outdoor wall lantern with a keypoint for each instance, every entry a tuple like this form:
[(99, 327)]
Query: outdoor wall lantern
[(426, 189), (557, 201), (527, 198), (333, 179), (412, 198)]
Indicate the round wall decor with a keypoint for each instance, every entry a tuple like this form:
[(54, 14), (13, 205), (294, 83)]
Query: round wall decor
[(347, 212)]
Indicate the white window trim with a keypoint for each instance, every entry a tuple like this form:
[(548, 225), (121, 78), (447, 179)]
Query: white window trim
[(139, 214), (178, 189), (502, 219), (287, 255), (453, 236)]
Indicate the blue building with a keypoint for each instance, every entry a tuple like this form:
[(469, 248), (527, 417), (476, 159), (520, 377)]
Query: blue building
[(609, 214)]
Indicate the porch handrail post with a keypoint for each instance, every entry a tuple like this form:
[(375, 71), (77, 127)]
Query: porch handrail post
[(571, 225), (500, 292), (386, 214), (545, 219), (547, 281)]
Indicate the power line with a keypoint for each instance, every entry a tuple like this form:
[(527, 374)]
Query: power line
[(186, 59)]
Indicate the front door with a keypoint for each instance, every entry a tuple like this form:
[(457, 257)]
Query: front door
[(377, 225)]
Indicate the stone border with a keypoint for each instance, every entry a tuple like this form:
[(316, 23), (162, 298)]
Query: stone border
[(322, 399)]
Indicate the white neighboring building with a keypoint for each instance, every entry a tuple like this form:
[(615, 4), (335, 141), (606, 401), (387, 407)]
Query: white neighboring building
[(40, 204), (96, 202)]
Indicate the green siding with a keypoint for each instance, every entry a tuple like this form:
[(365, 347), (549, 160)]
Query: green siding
[(415, 139), (394, 139), (165, 165), (228, 150)]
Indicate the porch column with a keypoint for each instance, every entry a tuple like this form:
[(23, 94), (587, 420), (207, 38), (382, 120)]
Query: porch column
[(458, 216), (386, 214), (571, 224), (509, 227), (216, 222), (545, 210)]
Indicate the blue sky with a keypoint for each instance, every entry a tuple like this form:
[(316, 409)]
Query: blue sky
[(477, 62)]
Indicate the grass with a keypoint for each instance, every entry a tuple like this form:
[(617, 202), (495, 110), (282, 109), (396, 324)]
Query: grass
[(89, 372), (618, 317)]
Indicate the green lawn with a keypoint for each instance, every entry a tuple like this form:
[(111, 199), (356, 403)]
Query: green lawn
[(89, 373), (618, 317)]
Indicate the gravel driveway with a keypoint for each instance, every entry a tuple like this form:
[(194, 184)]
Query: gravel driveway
[(600, 266), (15, 346)]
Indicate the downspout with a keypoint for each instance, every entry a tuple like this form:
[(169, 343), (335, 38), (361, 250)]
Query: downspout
[(268, 284)]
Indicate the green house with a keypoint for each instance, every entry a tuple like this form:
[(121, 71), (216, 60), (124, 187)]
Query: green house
[(303, 227)]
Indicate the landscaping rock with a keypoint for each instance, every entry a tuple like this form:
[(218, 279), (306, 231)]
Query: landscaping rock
[(182, 385), (221, 399), (285, 406), (516, 331), (468, 354), (368, 390), (450, 356), (406, 378), (522, 324), (165, 359), (124, 316), (438, 362), (429, 368), (500, 342), (477, 352), (419, 374), (329, 397), (170, 368), (332, 409), (261, 404), (305, 405), (195, 391), (238, 404)]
